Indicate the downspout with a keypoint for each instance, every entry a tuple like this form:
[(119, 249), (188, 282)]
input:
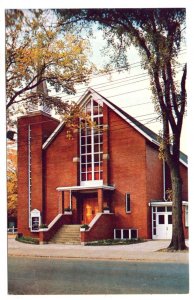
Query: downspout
[(29, 176), (164, 181)]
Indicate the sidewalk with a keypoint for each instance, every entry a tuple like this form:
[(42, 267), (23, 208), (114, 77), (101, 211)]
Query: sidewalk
[(136, 252)]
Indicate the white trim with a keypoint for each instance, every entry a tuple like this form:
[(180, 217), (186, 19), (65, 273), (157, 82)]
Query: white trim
[(164, 203), (67, 212), (84, 98), (91, 183), (121, 229), (52, 223), (186, 217), (94, 94), (77, 188), (29, 176), (126, 198), (35, 213), (83, 135), (164, 179), (51, 137), (183, 162), (94, 220), (70, 200), (90, 90)]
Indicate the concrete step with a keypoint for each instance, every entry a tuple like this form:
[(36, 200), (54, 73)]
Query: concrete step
[(67, 234)]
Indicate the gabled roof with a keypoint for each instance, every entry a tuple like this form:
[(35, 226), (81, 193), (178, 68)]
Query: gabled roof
[(146, 132)]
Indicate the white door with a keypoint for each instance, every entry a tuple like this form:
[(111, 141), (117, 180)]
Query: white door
[(164, 225)]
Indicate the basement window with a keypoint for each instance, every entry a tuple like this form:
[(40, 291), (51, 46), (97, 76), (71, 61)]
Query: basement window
[(126, 234)]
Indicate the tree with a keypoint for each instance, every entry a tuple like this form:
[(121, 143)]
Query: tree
[(157, 34), (37, 53), (12, 183)]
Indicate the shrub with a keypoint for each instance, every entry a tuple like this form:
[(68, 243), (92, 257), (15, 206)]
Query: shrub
[(27, 240), (67, 209), (43, 226), (85, 226)]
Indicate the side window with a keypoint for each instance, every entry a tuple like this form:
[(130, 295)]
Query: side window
[(127, 203), (186, 217)]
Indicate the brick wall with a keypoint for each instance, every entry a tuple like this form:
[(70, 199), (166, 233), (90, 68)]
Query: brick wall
[(60, 170), (102, 229), (127, 172), (154, 181), (131, 164), (41, 127)]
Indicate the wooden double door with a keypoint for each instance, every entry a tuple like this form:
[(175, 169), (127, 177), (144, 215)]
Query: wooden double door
[(87, 208)]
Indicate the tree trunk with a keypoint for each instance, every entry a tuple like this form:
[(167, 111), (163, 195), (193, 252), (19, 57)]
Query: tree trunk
[(178, 239)]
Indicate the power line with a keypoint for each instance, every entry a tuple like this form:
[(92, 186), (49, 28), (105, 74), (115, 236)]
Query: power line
[(129, 78), (151, 120), (133, 105)]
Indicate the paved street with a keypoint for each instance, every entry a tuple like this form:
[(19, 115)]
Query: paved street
[(77, 269), (53, 276)]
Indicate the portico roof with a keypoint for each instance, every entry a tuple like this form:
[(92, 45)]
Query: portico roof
[(85, 188)]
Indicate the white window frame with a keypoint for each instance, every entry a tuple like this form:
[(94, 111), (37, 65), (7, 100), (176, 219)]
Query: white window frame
[(127, 198), (186, 216), (122, 230), (93, 181)]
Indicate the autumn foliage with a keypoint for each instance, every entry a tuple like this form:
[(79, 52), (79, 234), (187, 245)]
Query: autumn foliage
[(11, 183)]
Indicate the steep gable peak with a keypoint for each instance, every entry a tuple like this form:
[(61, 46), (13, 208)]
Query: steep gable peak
[(90, 93)]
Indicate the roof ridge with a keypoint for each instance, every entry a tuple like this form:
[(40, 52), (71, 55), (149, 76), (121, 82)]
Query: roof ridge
[(148, 133), (146, 130)]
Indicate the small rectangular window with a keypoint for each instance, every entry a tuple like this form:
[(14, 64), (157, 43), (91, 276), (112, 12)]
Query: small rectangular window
[(126, 233), (186, 217), (169, 219), (127, 203), (118, 234), (161, 209), (161, 219), (133, 234)]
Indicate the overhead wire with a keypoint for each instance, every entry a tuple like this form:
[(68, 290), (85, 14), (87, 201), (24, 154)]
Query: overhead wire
[(111, 85), (112, 127), (137, 64)]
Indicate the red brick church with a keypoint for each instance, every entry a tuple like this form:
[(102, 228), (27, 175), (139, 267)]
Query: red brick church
[(108, 177)]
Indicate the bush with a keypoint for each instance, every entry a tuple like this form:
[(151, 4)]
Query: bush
[(110, 242), (67, 209), (43, 226), (85, 226), (27, 240)]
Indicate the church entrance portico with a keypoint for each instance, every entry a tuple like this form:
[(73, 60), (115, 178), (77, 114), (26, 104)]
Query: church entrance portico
[(85, 202)]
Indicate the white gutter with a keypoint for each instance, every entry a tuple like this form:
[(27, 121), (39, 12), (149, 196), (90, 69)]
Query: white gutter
[(79, 187)]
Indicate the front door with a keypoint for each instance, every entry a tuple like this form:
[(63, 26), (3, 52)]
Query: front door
[(164, 225), (87, 208), (90, 209)]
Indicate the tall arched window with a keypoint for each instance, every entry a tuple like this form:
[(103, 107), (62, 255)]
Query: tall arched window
[(91, 145)]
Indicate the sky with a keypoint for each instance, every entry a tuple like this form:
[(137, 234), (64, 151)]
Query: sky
[(130, 90)]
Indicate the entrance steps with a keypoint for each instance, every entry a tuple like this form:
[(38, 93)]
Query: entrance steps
[(67, 234)]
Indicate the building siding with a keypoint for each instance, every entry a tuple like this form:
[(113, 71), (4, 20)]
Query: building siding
[(130, 164)]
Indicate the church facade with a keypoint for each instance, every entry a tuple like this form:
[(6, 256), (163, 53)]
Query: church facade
[(107, 178)]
